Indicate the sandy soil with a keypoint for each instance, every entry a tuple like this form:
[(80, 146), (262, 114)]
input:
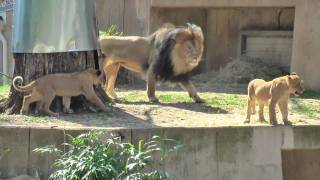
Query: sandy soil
[(182, 114), (149, 115)]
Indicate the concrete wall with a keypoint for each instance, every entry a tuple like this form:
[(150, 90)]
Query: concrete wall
[(8, 36), (306, 43), (240, 153), (110, 15), (305, 55), (222, 27), (132, 17), (222, 3), (308, 164)]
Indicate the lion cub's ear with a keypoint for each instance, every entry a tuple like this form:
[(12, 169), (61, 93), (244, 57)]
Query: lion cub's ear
[(293, 73)]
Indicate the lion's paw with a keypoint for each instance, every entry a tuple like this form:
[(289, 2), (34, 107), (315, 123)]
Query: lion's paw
[(153, 100)]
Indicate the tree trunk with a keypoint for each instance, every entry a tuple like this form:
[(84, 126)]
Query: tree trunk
[(32, 66)]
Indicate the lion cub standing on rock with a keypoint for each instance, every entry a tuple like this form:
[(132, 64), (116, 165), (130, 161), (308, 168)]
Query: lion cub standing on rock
[(45, 88), (276, 91)]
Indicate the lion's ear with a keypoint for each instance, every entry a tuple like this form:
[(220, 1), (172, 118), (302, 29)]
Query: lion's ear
[(174, 34), (196, 30), (293, 73)]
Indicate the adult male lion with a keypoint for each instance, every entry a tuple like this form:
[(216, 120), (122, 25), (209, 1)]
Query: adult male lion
[(45, 88), (168, 55), (273, 92)]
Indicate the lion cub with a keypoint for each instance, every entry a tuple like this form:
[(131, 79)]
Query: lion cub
[(45, 88), (273, 92)]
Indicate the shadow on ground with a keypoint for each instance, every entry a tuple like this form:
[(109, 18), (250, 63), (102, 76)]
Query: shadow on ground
[(116, 117), (201, 87), (196, 107)]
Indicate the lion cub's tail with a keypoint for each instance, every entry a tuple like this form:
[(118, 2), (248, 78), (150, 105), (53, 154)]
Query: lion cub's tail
[(251, 92), (25, 88)]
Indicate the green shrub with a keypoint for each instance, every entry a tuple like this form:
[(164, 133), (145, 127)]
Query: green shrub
[(111, 31), (90, 158)]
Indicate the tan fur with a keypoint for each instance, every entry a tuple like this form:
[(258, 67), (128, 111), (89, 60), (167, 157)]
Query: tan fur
[(134, 52), (272, 93), (45, 88)]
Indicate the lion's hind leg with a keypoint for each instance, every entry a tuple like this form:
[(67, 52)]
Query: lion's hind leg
[(27, 100), (253, 106), (261, 111), (66, 101), (39, 107), (47, 102), (111, 71), (250, 102)]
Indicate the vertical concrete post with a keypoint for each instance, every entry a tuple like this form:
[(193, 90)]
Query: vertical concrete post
[(306, 43)]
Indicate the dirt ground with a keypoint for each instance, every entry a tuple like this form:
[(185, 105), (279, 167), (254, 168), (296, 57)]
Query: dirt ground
[(138, 113), (223, 90)]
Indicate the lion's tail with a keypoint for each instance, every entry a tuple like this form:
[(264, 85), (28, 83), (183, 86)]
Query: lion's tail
[(251, 92), (25, 88)]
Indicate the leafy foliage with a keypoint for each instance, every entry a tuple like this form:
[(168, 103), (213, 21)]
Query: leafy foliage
[(111, 31), (90, 158), (5, 88)]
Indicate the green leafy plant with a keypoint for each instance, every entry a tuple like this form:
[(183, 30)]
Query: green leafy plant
[(4, 88), (111, 31), (90, 158)]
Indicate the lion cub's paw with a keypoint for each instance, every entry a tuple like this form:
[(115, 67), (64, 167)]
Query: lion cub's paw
[(68, 111), (287, 123), (57, 115), (22, 112), (119, 100), (263, 121), (106, 109), (274, 123), (247, 121), (199, 100)]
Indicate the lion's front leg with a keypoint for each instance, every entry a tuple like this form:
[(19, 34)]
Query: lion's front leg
[(89, 93), (261, 112), (249, 110), (151, 86), (66, 101), (111, 72), (188, 86), (283, 106), (272, 112)]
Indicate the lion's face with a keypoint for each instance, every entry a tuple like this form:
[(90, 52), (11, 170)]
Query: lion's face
[(188, 49), (295, 84), (95, 76), (192, 52)]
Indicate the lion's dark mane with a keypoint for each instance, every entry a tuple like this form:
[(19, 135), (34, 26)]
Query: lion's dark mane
[(163, 67)]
